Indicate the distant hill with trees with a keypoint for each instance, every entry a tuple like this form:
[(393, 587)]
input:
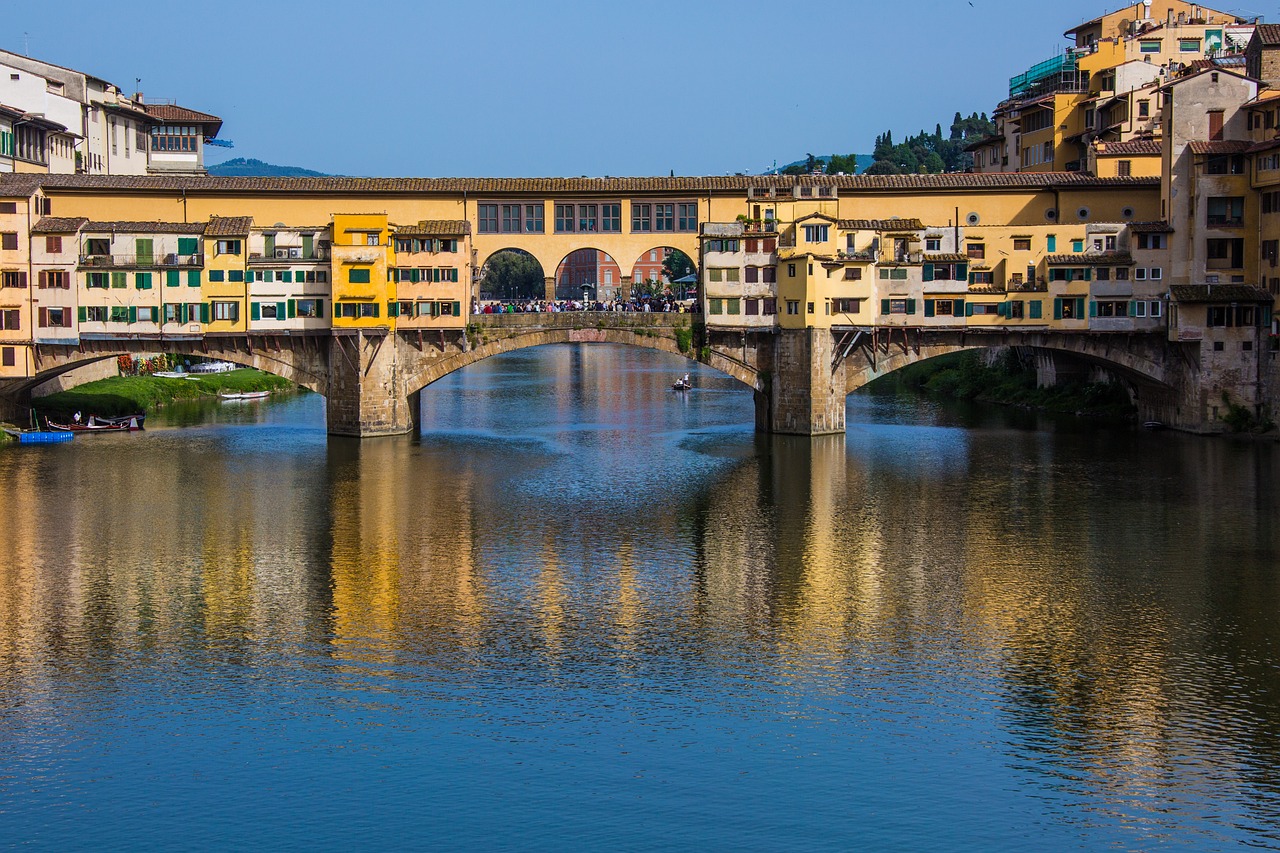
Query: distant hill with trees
[(240, 167), (930, 153)]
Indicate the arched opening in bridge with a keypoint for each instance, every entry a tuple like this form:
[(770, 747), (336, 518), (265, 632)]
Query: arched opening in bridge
[(588, 274), (664, 271), (512, 274)]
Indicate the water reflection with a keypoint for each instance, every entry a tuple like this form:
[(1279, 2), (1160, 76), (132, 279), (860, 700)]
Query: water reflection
[(1079, 624)]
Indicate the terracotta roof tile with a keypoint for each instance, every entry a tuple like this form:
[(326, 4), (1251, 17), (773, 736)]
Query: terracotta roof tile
[(228, 226), (880, 224), (946, 258), (434, 228), (1218, 293), (59, 225), (15, 185), (1267, 34), (136, 227), (1134, 147), (613, 186), (173, 114), (1150, 228), (1219, 146)]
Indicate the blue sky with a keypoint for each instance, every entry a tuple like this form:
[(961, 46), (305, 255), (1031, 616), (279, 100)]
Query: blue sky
[(506, 88)]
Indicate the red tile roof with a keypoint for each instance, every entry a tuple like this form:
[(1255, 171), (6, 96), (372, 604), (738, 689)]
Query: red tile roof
[(1218, 293), (173, 114), (1132, 148), (228, 226), (434, 228), (1219, 146), (880, 224), (1106, 259), (550, 186), (1267, 34), (136, 227), (59, 225)]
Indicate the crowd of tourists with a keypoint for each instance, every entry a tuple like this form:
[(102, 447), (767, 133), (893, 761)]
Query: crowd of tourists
[(647, 304)]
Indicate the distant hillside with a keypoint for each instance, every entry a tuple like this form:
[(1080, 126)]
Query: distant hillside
[(864, 160), (243, 168)]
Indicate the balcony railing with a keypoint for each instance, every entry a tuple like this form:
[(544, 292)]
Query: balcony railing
[(141, 261), (287, 255), (1027, 287)]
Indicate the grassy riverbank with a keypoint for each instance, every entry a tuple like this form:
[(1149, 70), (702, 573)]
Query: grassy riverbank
[(1008, 381), (123, 395)]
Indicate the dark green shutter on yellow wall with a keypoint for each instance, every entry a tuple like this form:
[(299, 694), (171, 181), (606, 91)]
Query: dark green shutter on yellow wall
[(171, 278), (193, 278)]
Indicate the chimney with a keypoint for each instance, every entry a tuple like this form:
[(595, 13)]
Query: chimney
[(1169, 20), (137, 98)]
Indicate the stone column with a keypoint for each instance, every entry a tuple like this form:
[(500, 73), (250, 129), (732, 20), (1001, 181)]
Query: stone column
[(365, 397), (624, 287), (805, 396), (549, 284)]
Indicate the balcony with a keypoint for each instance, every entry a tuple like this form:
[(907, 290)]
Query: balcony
[(140, 261), (1038, 286), (288, 254)]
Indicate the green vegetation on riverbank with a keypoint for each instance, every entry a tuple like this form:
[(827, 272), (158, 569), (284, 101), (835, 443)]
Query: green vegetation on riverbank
[(1011, 381), (124, 395)]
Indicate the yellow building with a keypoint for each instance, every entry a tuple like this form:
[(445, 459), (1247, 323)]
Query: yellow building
[(362, 288), (224, 303), (432, 275)]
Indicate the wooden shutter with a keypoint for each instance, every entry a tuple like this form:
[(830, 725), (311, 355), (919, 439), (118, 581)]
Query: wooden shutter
[(42, 280), (1079, 306), (1035, 309), (1057, 308), (884, 306), (457, 309), (319, 307), (44, 318), (308, 245), (957, 309), (255, 313), (968, 309), (187, 245), (292, 309), (66, 318), (193, 278), (280, 310), (133, 314), (911, 306), (82, 313), (393, 309), (204, 312), (962, 272), (171, 278), (928, 307), (926, 272)]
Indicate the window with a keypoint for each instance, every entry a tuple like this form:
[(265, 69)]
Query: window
[(853, 274), (564, 218), (985, 277), (53, 244), (931, 244), (8, 356), (9, 240), (793, 306), (1215, 124), (309, 308), (587, 218), (1224, 253), (511, 218), (55, 279), (688, 212), (533, 214), (13, 279), (368, 309), (977, 250), (487, 218), (1124, 168), (1112, 308), (224, 247), (169, 138), (816, 233), (664, 217), (358, 275), (1151, 241), (97, 279), (611, 218), (848, 306), (768, 275), (641, 217), (10, 319), (1014, 310), (229, 311), (1022, 244), (1226, 210), (1149, 46), (1188, 45), (119, 314), (1144, 109)]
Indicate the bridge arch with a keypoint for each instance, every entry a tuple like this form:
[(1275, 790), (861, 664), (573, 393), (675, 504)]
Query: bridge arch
[(512, 273), (651, 267), (880, 356), (570, 333)]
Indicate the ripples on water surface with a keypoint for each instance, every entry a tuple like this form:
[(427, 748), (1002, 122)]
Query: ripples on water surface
[(584, 611)]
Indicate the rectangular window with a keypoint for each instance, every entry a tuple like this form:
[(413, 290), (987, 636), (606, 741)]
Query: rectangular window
[(13, 279), (611, 218), (1149, 46), (588, 218), (533, 214), (641, 217), (487, 218), (564, 218), (1022, 244), (95, 314), (1226, 210), (372, 238), (227, 247), (358, 275), (229, 311), (511, 219), (9, 240), (119, 280), (977, 251), (688, 212), (1124, 168), (816, 233), (931, 244), (664, 217), (1188, 45), (97, 279), (793, 306), (368, 309), (53, 244)]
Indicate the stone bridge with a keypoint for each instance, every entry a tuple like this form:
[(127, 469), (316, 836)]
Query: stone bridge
[(372, 379)]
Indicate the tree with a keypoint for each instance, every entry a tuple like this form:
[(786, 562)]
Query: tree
[(675, 265), (882, 167), (513, 274), (846, 163)]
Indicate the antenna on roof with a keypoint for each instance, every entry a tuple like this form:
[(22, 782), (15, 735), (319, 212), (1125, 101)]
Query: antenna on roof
[(26, 44)]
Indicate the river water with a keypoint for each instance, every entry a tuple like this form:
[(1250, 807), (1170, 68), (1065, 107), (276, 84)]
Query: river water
[(583, 611)]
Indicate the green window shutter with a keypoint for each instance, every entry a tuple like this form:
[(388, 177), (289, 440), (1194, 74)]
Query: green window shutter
[(193, 278), (255, 313), (962, 272), (1003, 309), (142, 280), (457, 309), (968, 309), (292, 309), (928, 308), (958, 308), (1031, 274), (119, 279), (319, 307), (214, 275), (204, 312), (83, 314), (287, 276), (1079, 306), (308, 245), (1051, 244), (971, 277), (1088, 273), (1035, 309), (267, 276), (1057, 308), (1077, 246), (414, 275), (280, 310), (911, 306), (1133, 308), (184, 312), (268, 245), (171, 278), (884, 272), (133, 314), (393, 309), (884, 306), (187, 245), (236, 275), (926, 272)]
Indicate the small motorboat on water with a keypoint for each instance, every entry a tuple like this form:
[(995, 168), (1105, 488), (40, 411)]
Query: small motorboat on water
[(681, 384), (131, 424), (99, 420), (245, 395)]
